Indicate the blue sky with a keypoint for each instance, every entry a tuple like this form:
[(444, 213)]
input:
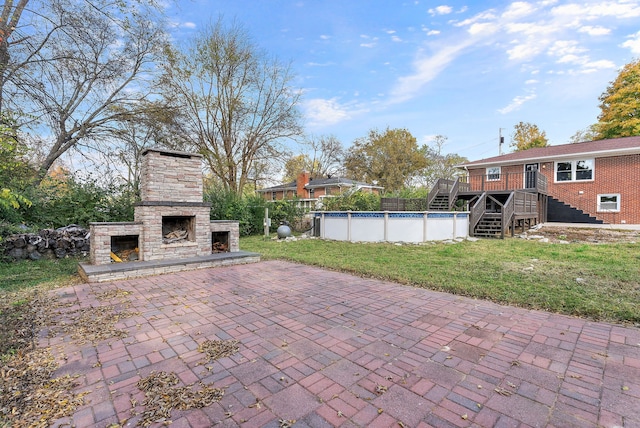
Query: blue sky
[(461, 69)]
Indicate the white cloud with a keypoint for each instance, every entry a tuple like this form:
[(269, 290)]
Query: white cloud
[(440, 10), (186, 24), (320, 64), (518, 10), (531, 82), (426, 68), (370, 44), (540, 32), (523, 51), (594, 30), (562, 48), (633, 44), (603, 64), (615, 9), (324, 37), (516, 103), (482, 29), (321, 111), (487, 15), (396, 39)]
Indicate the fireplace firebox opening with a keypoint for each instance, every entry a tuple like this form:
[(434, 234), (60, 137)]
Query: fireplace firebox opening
[(220, 242), (178, 229), (124, 248)]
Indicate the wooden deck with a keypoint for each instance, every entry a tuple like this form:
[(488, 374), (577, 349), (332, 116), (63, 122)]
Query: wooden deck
[(498, 204)]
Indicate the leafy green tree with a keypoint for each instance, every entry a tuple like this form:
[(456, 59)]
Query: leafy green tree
[(15, 171), (528, 136), (295, 165), (620, 105), (391, 158), (590, 133)]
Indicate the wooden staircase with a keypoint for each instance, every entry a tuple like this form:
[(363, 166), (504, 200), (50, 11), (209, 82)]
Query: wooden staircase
[(489, 226), (491, 212), (440, 203)]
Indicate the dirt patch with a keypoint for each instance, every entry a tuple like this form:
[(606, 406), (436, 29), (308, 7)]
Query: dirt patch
[(584, 235)]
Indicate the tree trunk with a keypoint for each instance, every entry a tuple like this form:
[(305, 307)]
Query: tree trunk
[(8, 23)]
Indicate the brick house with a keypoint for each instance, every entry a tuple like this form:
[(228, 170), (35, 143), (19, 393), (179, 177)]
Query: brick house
[(309, 190), (599, 178), (589, 182)]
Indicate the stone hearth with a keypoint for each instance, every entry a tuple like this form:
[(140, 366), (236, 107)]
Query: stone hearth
[(171, 224)]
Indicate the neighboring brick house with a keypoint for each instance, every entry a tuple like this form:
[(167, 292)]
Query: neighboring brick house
[(310, 190), (601, 178)]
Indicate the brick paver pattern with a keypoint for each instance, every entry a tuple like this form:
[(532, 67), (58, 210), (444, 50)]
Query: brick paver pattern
[(326, 349)]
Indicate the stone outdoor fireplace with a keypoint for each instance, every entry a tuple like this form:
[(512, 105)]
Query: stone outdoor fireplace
[(178, 229), (171, 224)]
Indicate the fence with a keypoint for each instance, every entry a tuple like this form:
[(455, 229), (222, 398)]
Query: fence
[(403, 204)]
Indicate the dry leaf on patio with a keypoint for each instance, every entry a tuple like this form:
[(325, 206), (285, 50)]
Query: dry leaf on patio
[(216, 349), (381, 389), (163, 395), (286, 423), (503, 391)]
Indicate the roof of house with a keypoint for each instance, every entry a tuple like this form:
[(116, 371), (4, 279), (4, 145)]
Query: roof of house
[(337, 181), (321, 182), (286, 186), (600, 148)]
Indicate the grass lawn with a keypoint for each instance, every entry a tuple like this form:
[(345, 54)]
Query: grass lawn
[(16, 276), (21, 283), (600, 282)]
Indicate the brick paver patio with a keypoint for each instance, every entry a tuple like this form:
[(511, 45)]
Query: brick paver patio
[(329, 349)]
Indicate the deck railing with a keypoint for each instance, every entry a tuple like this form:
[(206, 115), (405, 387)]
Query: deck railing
[(525, 203), (508, 210), (449, 187), (508, 181), (477, 211)]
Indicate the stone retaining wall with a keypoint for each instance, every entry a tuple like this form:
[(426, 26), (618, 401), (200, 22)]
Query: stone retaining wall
[(48, 243)]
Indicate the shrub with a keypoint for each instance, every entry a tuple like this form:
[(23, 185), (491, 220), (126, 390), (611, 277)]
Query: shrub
[(285, 211), (228, 205), (62, 201), (352, 201), (248, 210)]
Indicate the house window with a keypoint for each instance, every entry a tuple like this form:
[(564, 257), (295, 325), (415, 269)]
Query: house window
[(493, 173), (312, 193), (609, 203), (274, 196), (578, 170)]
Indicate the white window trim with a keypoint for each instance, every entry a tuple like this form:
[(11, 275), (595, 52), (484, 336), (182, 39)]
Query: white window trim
[(499, 173), (574, 163), (599, 201)]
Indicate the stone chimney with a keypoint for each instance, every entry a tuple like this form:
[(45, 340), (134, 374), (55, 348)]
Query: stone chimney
[(301, 181)]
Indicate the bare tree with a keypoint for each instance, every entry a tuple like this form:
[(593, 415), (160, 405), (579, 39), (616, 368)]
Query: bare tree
[(75, 67), (237, 105), (326, 155), (11, 15), (440, 165)]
